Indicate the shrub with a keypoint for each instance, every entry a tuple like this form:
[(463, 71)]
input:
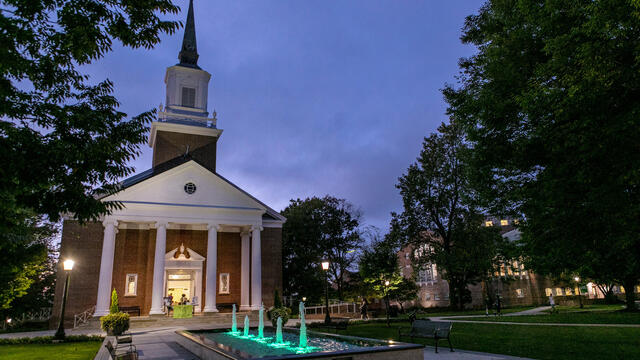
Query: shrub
[(49, 339), (277, 301), (275, 313), (115, 324), (114, 303)]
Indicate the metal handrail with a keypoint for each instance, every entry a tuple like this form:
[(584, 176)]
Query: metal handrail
[(83, 317)]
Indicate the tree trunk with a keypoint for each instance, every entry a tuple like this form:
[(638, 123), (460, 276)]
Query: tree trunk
[(629, 291)]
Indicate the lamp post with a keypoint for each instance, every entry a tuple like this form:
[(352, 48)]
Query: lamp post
[(577, 279), (386, 300), (67, 265), (325, 267)]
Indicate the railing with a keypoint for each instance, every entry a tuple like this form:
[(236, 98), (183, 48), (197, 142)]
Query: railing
[(83, 317), (43, 314), (334, 308)]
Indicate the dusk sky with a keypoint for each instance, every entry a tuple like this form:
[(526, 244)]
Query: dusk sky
[(314, 97)]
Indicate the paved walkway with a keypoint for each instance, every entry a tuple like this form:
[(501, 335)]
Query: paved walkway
[(445, 354)]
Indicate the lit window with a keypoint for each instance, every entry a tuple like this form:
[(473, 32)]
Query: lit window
[(131, 285), (548, 291), (568, 291), (427, 297), (488, 223), (558, 292), (520, 293), (406, 256), (504, 222), (622, 289), (188, 97), (436, 297), (638, 288)]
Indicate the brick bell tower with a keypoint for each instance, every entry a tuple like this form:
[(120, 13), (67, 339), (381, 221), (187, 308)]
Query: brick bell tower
[(184, 126)]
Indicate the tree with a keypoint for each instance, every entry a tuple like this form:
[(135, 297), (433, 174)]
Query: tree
[(62, 139), (317, 229), (28, 264), (379, 270), (407, 290), (550, 104), (441, 219)]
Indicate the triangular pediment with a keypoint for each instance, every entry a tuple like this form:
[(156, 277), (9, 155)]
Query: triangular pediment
[(188, 184), (182, 253)]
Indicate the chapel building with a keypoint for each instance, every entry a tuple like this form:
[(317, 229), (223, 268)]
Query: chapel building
[(183, 228)]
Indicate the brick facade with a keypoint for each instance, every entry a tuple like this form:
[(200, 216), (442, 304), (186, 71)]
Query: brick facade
[(84, 245), (134, 254)]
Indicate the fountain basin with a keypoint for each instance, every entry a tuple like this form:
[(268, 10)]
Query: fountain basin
[(221, 344)]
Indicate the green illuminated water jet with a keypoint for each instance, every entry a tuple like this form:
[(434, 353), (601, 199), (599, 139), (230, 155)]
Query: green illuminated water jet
[(246, 326), (303, 327), (261, 323), (234, 325)]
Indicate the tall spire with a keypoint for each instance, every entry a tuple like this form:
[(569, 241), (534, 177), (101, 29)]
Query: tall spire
[(189, 53)]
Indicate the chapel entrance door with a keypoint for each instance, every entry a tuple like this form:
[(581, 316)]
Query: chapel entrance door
[(180, 282)]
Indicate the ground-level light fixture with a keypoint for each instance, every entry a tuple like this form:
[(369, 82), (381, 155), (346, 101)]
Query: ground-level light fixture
[(577, 278), (386, 283)]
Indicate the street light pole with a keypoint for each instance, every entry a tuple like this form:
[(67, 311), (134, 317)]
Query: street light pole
[(386, 300), (577, 279), (325, 267), (67, 266)]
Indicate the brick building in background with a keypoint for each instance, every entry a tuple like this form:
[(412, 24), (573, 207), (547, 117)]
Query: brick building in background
[(515, 284), (184, 229)]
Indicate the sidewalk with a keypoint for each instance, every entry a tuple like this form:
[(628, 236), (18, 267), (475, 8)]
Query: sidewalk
[(445, 354)]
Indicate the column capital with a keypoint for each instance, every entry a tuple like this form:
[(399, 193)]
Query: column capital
[(214, 226), (162, 223), (256, 227), (245, 233), (110, 222)]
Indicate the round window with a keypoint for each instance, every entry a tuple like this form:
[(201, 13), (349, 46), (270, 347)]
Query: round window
[(189, 188)]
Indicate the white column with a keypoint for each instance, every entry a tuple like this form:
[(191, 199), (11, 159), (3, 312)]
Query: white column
[(245, 275), (158, 269), (106, 268), (256, 268), (212, 267)]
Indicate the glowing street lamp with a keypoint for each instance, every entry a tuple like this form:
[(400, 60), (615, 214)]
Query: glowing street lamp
[(67, 265), (325, 267)]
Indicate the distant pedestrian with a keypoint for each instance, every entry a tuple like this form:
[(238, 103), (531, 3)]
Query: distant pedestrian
[(552, 303), (363, 309), (498, 306)]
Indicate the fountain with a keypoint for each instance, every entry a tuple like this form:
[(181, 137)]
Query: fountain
[(303, 327), (261, 322), (224, 344), (234, 324), (246, 326)]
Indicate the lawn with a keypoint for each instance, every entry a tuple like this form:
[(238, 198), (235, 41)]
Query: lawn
[(71, 351), (540, 342), (597, 307), (586, 317)]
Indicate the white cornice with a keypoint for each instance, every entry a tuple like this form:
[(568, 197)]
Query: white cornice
[(181, 128)]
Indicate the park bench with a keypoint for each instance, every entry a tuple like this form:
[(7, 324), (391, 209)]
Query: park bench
[(130, 310), (428, 329), (130, 353)]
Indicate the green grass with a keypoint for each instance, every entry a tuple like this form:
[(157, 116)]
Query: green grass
[(427, 313), (588, 317), (71, 351), (540, 342), (564, 309)]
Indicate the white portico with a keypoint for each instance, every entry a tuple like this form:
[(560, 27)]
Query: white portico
[(163, 201)]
